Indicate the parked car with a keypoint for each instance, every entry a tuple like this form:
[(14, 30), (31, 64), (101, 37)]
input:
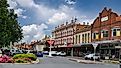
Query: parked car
[(92, 57), (61, 53), (53, 53), (0, 53), (14, 52), (7, 52), (39, 54), (45, 52), (29, 51)]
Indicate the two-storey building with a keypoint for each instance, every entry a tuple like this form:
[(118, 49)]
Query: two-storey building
[(106, 31)]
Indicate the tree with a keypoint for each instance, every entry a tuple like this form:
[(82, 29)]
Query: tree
[(10, 29)]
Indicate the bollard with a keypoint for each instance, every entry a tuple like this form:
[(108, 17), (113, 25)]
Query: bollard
[(119, 63)]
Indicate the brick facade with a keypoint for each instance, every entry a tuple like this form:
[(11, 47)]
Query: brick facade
[(107, 20)]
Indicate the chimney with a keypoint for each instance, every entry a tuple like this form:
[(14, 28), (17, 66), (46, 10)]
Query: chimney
[(87, 23), (105, 8), (83, 23), (75, 19), (72, 21), (66, 23), (100, 14), (110, 10)]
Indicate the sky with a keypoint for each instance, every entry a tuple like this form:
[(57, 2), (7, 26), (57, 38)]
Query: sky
[(39, 17)]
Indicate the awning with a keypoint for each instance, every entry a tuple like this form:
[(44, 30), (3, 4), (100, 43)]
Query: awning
[(108, 41), (70, 45)]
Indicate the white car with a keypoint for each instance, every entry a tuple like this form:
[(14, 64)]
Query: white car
[(53, 53), (92, 57), (0, 53), (61, 53)]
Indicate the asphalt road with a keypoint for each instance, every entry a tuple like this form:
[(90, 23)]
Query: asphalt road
[(58, 62)]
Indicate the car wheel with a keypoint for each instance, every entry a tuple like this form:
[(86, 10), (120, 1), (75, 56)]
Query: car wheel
[(98, 59), (92, 58), (86, 58)]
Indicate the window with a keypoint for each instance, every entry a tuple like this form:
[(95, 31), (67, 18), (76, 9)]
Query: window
[(95, 35), (76, 39), (88, 37), (104, 33), (116, 32), (82, 38), (85, 38), (79, 38)]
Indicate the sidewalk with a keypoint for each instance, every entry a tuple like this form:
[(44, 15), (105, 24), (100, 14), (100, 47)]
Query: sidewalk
[(110, 61), (82, 60)]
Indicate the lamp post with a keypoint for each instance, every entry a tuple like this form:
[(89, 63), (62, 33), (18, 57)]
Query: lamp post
[(120, 56), (94, 45)]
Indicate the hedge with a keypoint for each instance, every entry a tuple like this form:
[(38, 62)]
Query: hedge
[(21, 56)]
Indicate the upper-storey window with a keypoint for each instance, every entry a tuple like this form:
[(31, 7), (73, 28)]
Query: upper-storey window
[(104, 33), (116, 32), (88, 37), (95, 35), (85, 38), (82, 38), (76, 38)]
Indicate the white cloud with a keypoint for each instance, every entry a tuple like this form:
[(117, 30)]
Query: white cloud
[(43, 12), (19, 11), (70, 2), (33, 32), (57, 18), (27, 3), (47, 14), (63, 14), (12, 4)]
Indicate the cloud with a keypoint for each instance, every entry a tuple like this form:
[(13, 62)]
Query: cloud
[(33, 32), (70, 2), (64, 13), (27, 3), (51, 15), (12, 4), (57, 18), (19, 11), (48, 15)]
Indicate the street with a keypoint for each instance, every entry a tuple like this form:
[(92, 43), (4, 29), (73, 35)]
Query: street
[(58, 62)]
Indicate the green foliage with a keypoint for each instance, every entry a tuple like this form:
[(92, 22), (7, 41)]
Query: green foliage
[(21, 61), (20, 56), (10, 29)]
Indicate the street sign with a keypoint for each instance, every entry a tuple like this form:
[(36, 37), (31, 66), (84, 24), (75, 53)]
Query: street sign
[(95, 45), (50, 42)]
